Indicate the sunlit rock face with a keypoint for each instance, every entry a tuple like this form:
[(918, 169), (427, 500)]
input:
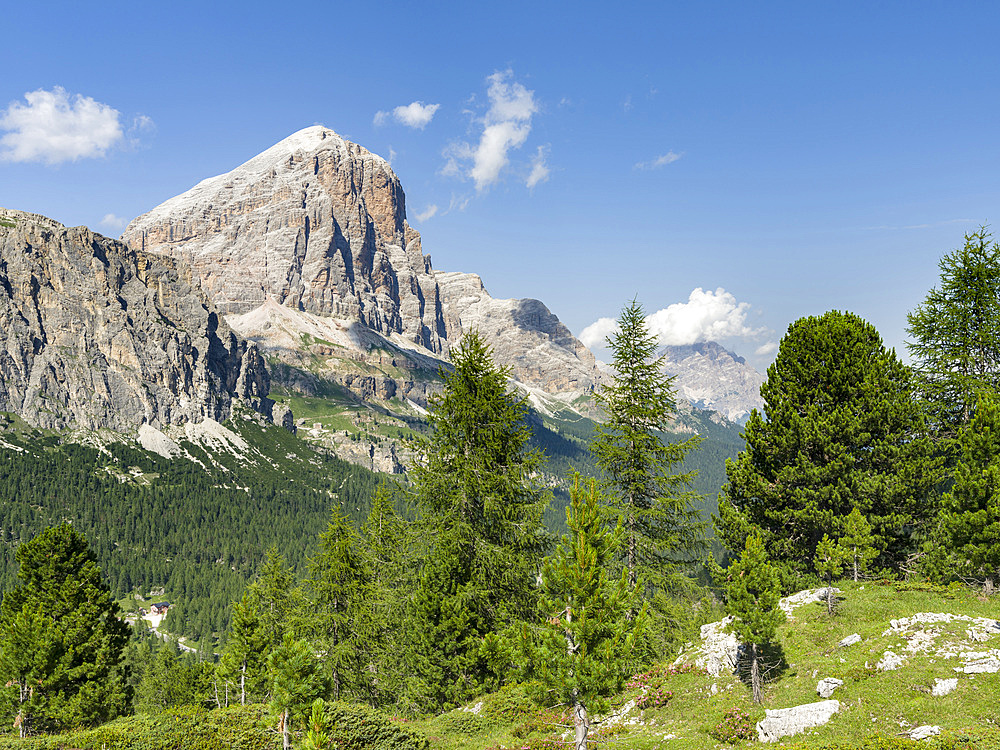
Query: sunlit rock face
[(97, 335), (317, 224)]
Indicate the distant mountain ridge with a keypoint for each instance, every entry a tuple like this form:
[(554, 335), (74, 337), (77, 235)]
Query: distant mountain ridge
[(712, 377), (317, 224)]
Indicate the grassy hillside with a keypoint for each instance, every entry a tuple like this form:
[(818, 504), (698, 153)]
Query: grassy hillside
[(876, 706)]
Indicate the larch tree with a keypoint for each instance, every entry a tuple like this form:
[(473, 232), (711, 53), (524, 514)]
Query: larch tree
[(840, 430), (955, 334), (341, 587), (752, 594), (584, 643), (71, 675), (662, 532), (477, 487)]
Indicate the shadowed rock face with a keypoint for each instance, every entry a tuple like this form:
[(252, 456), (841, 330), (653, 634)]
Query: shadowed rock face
[(95, 335), (317, 225)]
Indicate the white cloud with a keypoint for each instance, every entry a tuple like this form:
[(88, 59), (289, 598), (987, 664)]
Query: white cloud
[(706, 316), (416, 114), (506, 126), (660, 161), (539, 170), (427, 213), (113, 222), (413, 115), (55, 126), (765, 349), (596, 333)]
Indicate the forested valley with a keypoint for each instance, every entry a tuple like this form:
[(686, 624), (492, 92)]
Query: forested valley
[(324, 602)]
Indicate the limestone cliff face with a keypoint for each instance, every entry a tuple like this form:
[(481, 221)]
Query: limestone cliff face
[(315, 222), (317, 226), (96, 335), (711, 377)]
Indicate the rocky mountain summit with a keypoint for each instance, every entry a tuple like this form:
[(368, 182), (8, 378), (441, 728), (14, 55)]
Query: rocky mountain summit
[(712, 377), (317, 225), (98, 335)]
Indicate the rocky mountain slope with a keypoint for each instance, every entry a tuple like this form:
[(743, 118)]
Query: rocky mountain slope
[(712, 377), (98, 335), (317, 225)]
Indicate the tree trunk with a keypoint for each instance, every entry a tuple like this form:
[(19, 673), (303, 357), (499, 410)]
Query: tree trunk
[(855, 564), (243, 683), (581, 723), (989, 586), (755, 678), (286, 735)]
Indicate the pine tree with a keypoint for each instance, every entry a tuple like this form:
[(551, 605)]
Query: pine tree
[(662, 532), (829, 562), (840, 430), (858, 543), (955, 334), (752, 594), (478, 490), (967, 540), (295, 681), (62, 600), (587, 636)]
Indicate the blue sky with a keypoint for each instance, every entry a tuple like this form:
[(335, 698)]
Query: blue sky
[(797, 157)]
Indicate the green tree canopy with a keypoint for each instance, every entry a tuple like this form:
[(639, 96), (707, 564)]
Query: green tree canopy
[(639, 467), (967, 540), (752, 595), (70, 675), (840, 430), (587, 636), (955, 334), (477, 487)]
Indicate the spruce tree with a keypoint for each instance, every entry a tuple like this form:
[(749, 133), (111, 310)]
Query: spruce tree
[(840, 430), (955, 334), (477, 487), (752, 594), (967, 541), (586, 637), (63, 602), (639, 468)]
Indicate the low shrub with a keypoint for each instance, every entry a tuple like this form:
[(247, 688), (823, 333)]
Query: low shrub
[(736, 725)]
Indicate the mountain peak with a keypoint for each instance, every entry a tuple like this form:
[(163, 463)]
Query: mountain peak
[(712, 377)]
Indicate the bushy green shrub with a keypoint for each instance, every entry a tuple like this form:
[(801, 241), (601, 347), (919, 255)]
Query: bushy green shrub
[(355, 726), (190, 728)]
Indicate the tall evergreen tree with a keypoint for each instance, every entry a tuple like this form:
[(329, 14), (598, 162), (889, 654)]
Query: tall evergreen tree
[(477, 487), (586, 637), (386, 541), (243, 666), (639, 467), (341, 624), (967, 540), (840, 430), (64, 604), (955, 334), (752, 594)]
